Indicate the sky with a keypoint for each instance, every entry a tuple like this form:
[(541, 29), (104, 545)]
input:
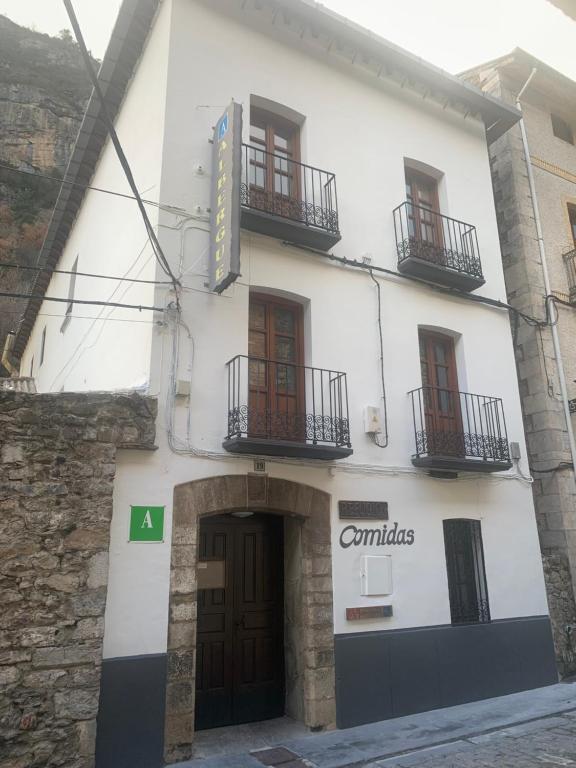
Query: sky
[(452, 34)]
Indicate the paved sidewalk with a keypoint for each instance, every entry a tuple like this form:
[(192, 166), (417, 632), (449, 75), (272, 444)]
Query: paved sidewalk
[(532, 728)]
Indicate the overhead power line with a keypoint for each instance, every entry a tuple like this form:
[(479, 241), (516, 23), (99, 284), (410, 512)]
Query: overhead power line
[(40, 175), (12, 265), (118, 147), (139, 307)]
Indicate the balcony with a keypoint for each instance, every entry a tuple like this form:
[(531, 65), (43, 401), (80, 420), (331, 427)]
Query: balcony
[(288, 200), (570, 262), (437, 248), (457, 431), (283, 409)]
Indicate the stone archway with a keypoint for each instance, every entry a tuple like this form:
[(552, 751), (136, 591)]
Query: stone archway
[(309, 635)]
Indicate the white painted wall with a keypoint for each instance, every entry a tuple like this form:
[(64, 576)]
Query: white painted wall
[(107, 348), (341, 332), (361, 131)]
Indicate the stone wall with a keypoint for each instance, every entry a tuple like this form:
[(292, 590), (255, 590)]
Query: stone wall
[(544, 422), (57, 466)]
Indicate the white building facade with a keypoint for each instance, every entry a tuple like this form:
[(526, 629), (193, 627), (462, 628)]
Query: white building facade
[(347, 535)]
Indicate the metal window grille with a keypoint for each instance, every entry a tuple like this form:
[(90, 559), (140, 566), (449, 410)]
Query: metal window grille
[(425, 234), (467, 586), (275, 400), (276, 185)]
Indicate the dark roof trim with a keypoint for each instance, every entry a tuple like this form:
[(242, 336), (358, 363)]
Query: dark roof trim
[(126, 44), (498, 116)]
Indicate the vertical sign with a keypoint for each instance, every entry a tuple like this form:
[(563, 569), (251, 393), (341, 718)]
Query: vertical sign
[(225, 202)]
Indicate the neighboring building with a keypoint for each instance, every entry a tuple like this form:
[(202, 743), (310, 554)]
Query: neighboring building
[(568, 6), (374, 552), (549, 109)]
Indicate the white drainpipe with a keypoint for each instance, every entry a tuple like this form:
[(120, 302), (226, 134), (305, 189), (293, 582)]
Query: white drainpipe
[(553, 311)]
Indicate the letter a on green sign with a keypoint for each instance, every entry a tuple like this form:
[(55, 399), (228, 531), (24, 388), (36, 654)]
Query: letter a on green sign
[(146, 523)]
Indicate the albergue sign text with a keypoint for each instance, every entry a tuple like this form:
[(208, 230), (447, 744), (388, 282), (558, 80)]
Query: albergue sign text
[(225, 200)]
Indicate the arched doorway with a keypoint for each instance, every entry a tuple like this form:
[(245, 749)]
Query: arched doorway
[(308, 631)]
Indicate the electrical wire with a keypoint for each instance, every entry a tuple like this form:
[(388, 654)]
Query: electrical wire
[(37, 174), (156, 247), (80, 301), (534, 321), (104, 319), (80, 349), (12, 265)]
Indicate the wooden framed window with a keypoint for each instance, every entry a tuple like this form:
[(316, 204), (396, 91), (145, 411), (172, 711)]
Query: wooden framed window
[(275, 154), (424, 221), (467, 585), (275, 372), (561, 129), (442, 409)]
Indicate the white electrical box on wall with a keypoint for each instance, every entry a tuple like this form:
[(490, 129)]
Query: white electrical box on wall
[(376, 575), (372, 420)]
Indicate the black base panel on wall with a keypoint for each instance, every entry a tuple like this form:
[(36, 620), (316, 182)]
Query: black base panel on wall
[(130, 726), (380, 675)]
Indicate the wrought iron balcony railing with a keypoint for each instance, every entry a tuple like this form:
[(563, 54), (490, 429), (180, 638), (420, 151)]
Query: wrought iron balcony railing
[(281, 409), (570, 262), (459, 431), (289, 200), (437, 248)]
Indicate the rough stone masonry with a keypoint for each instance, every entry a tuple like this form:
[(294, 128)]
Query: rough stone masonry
[(57, 466)]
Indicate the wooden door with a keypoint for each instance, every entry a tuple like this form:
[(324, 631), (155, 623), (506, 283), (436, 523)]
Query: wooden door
[(424, 221), (240, 643), (442, 409), (274, 177), (276, 407)]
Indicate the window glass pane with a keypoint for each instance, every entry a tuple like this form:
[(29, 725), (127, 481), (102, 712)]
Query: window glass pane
[(286, 378), (257, 133), (283, 320), (256, 344), (257, 374), (285, 349), (257, 313), (439, 352), (281, 142)]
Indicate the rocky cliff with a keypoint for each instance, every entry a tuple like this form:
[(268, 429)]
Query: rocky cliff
[(43, 93)]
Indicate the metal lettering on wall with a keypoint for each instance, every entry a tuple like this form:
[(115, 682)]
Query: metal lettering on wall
[(225, 200), (352, 536), (372, 510)]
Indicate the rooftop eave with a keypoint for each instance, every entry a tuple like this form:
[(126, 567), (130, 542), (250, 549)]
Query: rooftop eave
[(376, 54)]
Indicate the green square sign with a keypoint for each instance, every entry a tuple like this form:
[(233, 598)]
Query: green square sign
[(146, 523)]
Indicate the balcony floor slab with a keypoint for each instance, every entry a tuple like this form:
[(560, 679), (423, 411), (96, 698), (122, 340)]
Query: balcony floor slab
[(285, 448), (297, 232), (460, 464), (436, 273)]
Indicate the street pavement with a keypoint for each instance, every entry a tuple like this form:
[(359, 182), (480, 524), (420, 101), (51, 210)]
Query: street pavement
[(531, 729), (546, 743)]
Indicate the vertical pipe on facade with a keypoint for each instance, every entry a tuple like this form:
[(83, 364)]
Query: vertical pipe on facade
[(542, 249)]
